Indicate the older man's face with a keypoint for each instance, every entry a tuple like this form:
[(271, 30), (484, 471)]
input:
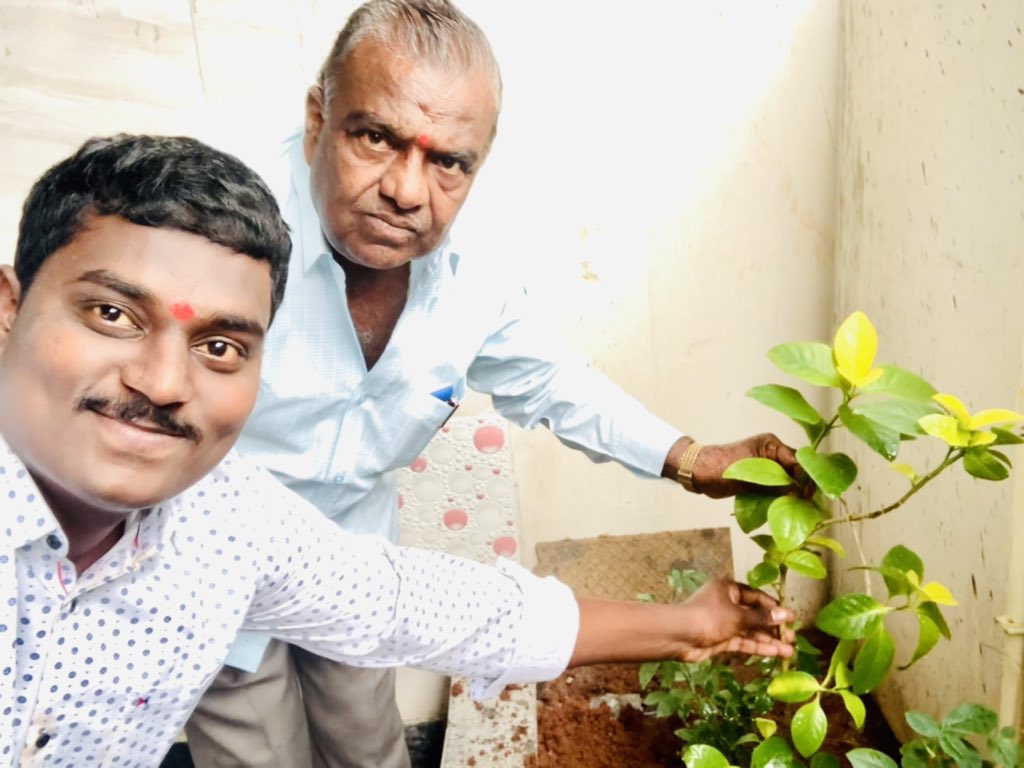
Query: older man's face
[(393, 153), (129, 367)]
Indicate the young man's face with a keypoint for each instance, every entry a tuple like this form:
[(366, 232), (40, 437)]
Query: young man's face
[(130, 365), (393, 153)]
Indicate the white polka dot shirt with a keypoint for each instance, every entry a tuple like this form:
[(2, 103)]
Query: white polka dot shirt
[(104, 667)]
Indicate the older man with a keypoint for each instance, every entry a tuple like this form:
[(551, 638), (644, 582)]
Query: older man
[(136, 545), (387, 320)]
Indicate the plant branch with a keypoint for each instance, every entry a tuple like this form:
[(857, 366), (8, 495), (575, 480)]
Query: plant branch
[(952, 457)]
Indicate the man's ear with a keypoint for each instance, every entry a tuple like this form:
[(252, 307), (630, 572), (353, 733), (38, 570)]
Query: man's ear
[(10, 294), (314, 119)]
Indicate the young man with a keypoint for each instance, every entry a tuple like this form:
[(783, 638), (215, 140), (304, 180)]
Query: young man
[(136, 545), (387, 320)]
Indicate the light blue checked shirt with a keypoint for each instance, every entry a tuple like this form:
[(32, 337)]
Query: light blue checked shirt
[(333, 431)]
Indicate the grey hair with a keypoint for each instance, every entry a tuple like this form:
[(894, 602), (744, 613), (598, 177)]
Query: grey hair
[(433, 30)]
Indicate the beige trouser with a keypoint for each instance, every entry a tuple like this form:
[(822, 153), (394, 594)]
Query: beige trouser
[(298, 710)]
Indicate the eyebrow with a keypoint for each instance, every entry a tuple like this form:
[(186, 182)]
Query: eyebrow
[(368, 121), (224, 323)]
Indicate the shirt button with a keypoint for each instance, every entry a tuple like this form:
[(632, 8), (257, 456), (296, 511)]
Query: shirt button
[(43, 740), (72, 605), (53, 541)]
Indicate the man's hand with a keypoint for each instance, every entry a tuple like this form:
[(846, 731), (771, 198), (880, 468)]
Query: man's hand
[(729, 617), (722, 616), (713, 460)]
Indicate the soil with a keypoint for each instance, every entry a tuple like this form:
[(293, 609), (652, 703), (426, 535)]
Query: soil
[(573, 734)]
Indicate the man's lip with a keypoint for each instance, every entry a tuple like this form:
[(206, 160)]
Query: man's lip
[(142, 426), (392, 222)]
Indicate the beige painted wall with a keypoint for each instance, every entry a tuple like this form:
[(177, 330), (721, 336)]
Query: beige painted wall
[(669, 171), (931, 204)]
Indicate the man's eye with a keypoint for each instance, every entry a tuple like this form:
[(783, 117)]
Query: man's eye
[(222, 351), (449, 163), (374, 139), (112, 315)]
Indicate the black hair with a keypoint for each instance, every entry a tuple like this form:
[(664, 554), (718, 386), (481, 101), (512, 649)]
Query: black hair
[(171, 182)]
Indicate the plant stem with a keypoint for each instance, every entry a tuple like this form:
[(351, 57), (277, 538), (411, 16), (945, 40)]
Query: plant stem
[(952, 457)]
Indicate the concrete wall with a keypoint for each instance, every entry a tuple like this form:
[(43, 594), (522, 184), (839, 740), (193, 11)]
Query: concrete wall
[(931, 204)]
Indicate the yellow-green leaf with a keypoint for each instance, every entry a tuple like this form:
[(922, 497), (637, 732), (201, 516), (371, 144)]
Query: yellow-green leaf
[(766, 727), (855, 706), (906, 470), (991, 416), (982, 438), (937, 593), (946, 428), (955, 407), (854, 347)]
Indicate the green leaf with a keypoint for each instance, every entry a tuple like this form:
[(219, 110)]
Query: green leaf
[(916, 754), (793, 686), (874, 660), (758, 471), (806, 563), (803, 645), (963, 753), (980, 463), (791, 520), (1005, 750), (851, 616), (1006, 437), (773, 753), (878, 437), (764, 541), (787, 401), (927, 637), (901, 416), (763, 574), (824, 760), (855, 706), (902, 560), (922, 724), (970, 718), (809, 361), (808, 728), (931, 610), (751, 510), (901, 383), (647, 672), (704, 756), (826, 543), (869, 758), (832, 473)]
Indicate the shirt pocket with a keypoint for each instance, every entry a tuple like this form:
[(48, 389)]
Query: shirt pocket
[(406, 421)]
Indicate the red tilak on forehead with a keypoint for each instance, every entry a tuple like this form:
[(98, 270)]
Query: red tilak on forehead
[(423, 140), (182, 311)]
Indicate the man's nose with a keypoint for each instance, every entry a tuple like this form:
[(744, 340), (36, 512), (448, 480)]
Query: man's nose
[(160, 371), (405, 182)]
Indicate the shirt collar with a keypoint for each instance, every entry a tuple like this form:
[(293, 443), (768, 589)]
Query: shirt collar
[(26, 515)]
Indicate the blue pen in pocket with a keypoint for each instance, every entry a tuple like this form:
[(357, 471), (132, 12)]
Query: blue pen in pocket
[(444, 394)]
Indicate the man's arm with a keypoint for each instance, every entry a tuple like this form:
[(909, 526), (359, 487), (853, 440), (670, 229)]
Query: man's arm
[(723, 616)]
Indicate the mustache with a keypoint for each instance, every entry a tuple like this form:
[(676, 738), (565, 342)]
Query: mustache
[(135, 409)]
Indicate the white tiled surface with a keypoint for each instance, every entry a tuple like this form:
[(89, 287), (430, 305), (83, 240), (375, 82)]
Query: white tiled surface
[(460, 496)]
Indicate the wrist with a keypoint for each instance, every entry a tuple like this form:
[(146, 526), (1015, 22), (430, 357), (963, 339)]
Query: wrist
[(685, 463)]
